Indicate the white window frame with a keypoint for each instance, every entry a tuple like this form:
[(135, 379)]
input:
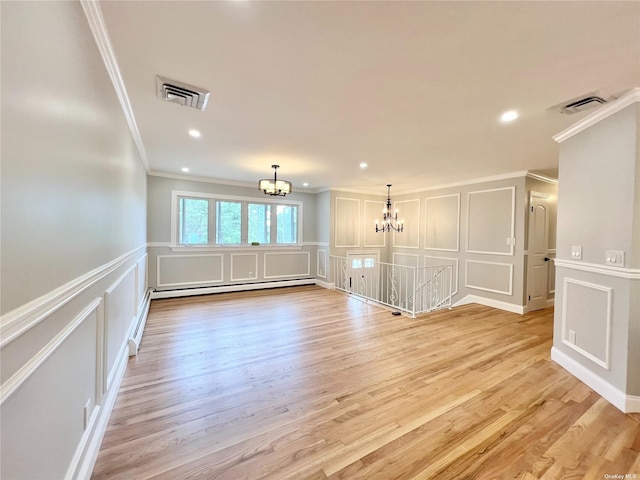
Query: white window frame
[(177, 194)]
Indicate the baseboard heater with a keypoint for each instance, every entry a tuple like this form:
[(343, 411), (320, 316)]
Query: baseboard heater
[(136, 335), (240, 287)]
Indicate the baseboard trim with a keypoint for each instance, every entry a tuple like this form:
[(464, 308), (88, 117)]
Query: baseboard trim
[(489, 302), (189, 292), (620, 400), (328, 285)]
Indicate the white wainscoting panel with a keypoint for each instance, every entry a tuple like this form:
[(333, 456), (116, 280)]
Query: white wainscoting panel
[(15, 323), (491, 220), (46, 384), (141, 281), (244, 266), (430, 261), (189, 270), (489, 276), (321, 266), (409, 212), (372, 213), (287, 265), (587, 311), (442, 223), (119, 313), (347, 222)]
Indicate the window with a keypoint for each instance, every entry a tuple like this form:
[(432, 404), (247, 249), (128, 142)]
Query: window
[(194, 221), (214, 220), (228, 223), (259, 223), (287, 219)]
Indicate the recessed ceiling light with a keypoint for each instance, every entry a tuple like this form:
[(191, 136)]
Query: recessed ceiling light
[(194, 133), (185, 169), (509, 116), (305, 184), (363, 165)]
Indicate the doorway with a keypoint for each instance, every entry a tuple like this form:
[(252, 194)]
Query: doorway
[(363, 272), (538, 257)]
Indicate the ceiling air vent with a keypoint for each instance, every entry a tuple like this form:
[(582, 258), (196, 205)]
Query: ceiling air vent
[(181, 93), (581, 104)]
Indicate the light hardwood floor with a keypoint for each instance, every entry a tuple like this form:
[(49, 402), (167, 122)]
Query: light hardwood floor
[(306, 383)]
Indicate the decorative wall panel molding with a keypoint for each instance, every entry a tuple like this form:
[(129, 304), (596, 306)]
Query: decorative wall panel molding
[(189, 270), (442, 223), (287, 265), (409, 212), (12, 384), (119, 313), (321, 266), (244, 266), (491, 221), (347, 222), (16, 322), (407, 259), (586, 320), (489, 276), (142, 274), (372, 213)]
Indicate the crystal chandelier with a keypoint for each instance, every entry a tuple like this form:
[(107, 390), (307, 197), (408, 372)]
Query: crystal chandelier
[(389, 221)]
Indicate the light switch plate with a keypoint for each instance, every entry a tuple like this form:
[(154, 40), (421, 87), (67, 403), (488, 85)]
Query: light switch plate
[(576, 252), (614, 257)]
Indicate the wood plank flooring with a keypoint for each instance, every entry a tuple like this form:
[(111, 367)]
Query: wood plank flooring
[(306, 383)]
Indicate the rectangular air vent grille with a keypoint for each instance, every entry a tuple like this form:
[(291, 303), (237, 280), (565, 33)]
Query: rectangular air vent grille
[(583, 104), (181, 93)]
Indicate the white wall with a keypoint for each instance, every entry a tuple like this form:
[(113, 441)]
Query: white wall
[(597, 315), (73, 241)]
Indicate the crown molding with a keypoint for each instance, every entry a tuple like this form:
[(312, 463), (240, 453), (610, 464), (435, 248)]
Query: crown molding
[(542, 178), (94, 16), (606, 111), (218, 181)]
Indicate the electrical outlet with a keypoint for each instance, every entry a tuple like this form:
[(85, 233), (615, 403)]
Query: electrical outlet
[(572, 336), (511, 241)]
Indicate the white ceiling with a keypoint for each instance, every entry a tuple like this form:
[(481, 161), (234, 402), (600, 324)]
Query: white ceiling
[(414, 89)]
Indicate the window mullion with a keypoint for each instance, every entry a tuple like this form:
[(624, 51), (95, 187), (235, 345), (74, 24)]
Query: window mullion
[(213, 228), (274, 224), (244, 223)]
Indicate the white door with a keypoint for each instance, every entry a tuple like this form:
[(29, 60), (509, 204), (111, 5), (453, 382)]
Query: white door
[(537, 260), (363, 274)]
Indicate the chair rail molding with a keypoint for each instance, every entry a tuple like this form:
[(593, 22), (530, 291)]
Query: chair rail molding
[(16, 322)]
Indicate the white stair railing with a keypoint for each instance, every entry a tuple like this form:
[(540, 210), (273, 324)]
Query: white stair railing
[(413, 290)]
